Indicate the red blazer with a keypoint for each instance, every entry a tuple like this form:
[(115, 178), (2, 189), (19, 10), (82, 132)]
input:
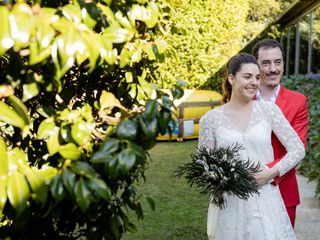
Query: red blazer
[(295, 109)]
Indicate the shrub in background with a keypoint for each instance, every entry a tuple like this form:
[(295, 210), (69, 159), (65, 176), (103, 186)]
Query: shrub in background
[(309, 85), (76, 115)]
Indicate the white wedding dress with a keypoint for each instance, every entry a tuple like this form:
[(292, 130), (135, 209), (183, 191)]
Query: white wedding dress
[(264, 216)]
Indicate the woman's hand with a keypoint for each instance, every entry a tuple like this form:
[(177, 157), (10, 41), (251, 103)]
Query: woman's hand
[(265, 175)]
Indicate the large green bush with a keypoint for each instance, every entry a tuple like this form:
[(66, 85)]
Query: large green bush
[(309, 85), (76, 115)]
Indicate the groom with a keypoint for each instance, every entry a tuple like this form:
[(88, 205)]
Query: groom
[(270, 56)]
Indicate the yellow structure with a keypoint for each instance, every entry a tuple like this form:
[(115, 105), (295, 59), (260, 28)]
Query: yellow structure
[(190, 108)]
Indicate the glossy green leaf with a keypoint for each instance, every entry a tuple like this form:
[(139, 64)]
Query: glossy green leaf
[(117, 35), (70, 151), (82, 194), (109, 146), (116, 224), (161, 45), (36, 182), (89, 14), (127, 159), (5, 38), (10, 116), (69, 180), (29, 91), (92, 51), (82, 169), (99, 187), (127, 129), (151, 109), (18, 191), (21, 23), (18, 156), (138, 151), (153, 18), (125, 57), (19, 107), (148, 48), (81, 132), (47, 173), (41, 49), (53, 144), (149, 128), (47, 128), (108, 100), (3, 192), (57, 189), (4, 164), (72, 12), (124, 21)]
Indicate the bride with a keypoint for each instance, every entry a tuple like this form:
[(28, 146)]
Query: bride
[(250, 122)]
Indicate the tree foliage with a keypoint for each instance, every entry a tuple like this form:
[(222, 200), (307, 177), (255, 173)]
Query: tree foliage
[(77, 115), (204, 35)]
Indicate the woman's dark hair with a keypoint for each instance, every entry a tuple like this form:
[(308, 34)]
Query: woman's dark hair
[(233, 67)]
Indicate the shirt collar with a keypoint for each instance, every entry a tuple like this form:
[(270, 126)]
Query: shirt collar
[(273, 98)]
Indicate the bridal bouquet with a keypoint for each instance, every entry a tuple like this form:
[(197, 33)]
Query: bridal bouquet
[(220, 172)]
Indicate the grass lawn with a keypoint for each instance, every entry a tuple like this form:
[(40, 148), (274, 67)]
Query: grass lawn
[(181, 212)]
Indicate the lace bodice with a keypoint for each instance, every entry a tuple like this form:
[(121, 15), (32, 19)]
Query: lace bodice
[(216, 130)]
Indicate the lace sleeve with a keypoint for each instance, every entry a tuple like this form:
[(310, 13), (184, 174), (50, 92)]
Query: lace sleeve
[(289, 138), (206, 131)]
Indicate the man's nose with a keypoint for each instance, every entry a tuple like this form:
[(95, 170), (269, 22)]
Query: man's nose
[(273, 67)]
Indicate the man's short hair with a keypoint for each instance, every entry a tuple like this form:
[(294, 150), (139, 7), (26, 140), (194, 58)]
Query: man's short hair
[(266, 44)]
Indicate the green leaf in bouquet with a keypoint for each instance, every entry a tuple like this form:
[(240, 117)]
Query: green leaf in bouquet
[(70, 151)]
